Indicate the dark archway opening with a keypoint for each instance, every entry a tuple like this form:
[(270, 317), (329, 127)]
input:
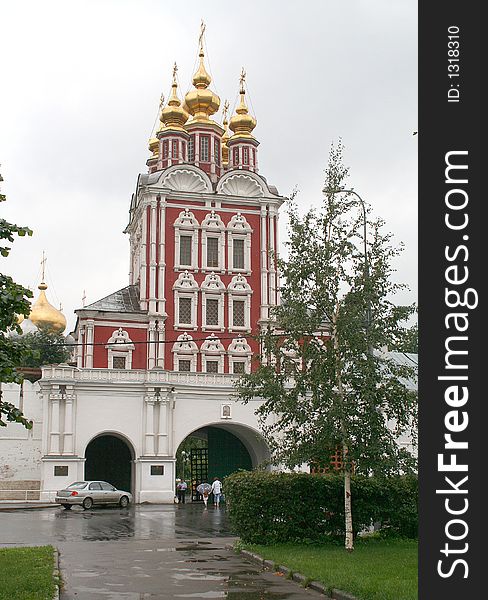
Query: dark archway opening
[(108, 458), (207, 453)]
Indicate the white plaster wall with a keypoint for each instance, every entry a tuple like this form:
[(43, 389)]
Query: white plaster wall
[(20, 448), (105, 411)]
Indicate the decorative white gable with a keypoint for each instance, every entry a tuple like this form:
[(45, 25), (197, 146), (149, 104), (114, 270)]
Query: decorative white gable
[(184, 180), (241, 185), (185, 281)]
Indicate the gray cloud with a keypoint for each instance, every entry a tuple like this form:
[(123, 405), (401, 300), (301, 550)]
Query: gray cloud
[(80, 94)]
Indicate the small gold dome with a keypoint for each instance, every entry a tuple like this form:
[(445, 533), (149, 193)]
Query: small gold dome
[(154, 147), (201, 102), (44, 315), (242, 123), (173, 116)]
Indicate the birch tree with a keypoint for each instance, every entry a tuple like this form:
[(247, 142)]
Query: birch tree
[(325, 386)]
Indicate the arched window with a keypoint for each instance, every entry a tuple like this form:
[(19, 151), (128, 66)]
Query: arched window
[(240, 354), (240, 293), (213, 353), (186, 241), (119, 350), (185, 354), (185, 291), (239, 245), (213, 290), (213, 243)]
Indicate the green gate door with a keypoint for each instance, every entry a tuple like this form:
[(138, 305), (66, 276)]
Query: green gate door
[(199, 470), (226, 454)]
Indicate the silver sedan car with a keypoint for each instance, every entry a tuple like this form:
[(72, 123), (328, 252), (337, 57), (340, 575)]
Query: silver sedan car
[(88, 493)]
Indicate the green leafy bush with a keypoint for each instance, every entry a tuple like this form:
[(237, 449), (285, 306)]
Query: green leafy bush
[(271, 507)]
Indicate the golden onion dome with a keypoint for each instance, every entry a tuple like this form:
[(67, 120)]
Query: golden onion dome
[(44, 315), (154, 147), (242, 123), (201, 102), (173, 116)]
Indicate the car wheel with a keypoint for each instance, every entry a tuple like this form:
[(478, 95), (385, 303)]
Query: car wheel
[(87, 503), (67, 506), (124, 501)]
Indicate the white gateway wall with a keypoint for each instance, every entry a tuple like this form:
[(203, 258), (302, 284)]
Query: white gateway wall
[(21, 448)]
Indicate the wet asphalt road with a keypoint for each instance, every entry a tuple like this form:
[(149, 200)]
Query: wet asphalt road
[(146, 552)]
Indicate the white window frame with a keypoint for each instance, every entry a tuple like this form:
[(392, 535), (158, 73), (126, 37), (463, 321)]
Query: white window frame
[(186, 225), (119, 344), (212, 349), (213, 227), (213, 288), (239, 228), (185, 349), (185, 287), (239, 351), (239, 289)]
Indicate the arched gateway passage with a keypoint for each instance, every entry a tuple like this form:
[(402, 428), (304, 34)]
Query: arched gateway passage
[(109, 458), (214, 451)]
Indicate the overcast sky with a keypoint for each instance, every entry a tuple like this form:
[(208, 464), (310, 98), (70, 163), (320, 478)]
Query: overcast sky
[(80, 85)]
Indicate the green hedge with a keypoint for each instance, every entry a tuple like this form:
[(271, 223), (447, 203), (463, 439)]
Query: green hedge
[(270, 507)]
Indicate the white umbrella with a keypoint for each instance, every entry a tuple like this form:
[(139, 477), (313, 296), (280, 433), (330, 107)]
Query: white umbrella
[(203, 487)]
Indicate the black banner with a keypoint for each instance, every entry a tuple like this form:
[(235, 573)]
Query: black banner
[(452, 269)]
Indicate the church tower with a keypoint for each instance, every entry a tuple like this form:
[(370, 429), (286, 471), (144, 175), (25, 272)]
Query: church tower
[(203, 236)]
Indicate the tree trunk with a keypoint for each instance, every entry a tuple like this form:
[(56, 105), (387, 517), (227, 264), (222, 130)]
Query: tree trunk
[(349, 540)]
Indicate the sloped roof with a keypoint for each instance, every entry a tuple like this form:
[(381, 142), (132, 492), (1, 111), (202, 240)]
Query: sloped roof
[(123, 301)]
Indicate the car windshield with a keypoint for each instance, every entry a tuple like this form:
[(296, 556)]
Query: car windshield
[(77, 485)]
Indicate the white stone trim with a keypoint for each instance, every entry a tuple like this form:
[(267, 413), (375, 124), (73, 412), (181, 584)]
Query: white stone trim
[(213, 227), (185, 287), (213, 288), (239, 228), (239, 289), (186, 349), (119, 345), (212, 349), (186, 225), (239, 351)]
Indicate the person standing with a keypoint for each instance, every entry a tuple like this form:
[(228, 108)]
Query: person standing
[(181, 491), (216, 491)]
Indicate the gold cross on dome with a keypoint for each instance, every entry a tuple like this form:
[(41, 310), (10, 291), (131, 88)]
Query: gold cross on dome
[(242, 78), (175, 70), (225, 109), (161, 101), (43, 266), (202, 31)]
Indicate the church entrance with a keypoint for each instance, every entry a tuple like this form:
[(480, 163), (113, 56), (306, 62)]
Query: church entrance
[(207, 453), (109, 458)]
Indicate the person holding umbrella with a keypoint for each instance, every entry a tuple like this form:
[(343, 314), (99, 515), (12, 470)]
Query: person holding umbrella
[(204, 490)]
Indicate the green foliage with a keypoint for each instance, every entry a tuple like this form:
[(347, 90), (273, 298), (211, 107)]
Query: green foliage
[(43, 347), (271, 507), (320, 375), (14, 301), (408, 340)]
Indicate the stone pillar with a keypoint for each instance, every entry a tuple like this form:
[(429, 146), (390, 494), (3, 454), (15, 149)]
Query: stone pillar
[(160, 336), (264, 265), (149, 449), (151, 351), (89, 344), (152, 258), (68, 435), (163, 448), (54, 432)]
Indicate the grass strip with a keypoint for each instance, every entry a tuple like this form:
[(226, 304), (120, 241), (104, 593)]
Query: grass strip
[(378, 569), (27, 573)]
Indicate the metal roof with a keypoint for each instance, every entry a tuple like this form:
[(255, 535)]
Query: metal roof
[(123, 301)]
